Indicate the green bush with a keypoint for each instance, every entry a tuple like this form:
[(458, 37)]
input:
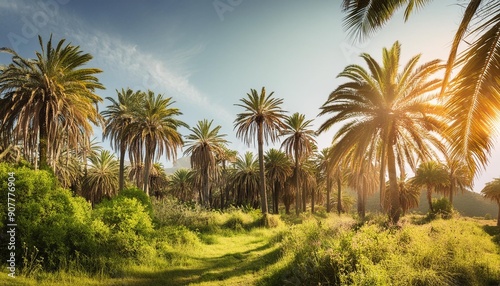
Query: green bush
[(443, 252), (442, 208), (140, 196), (48, 218), (130, 226)]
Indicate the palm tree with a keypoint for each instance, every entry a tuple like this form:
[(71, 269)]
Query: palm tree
[(364, 180), (432, 175), (181, 184), (246, 180), (278, 169), (49, 95), (204, 145), (389, 116), (118, 115), (158, 180), (102, 178), (459, 177), (472, 97), (227, 156), (409, 195), (154, 132), (298, 145), (261, 120), (492, 191)]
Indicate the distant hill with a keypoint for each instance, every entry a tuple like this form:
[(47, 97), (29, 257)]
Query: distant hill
[(467, 204)]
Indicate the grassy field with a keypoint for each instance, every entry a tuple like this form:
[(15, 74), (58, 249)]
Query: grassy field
[(308, 249)]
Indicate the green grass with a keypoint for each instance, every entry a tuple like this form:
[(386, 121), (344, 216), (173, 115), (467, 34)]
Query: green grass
[(235, 249)]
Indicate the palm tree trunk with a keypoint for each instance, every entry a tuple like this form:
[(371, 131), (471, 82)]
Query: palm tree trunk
[(262, 185), (395, 210), (147, 167), (452, 190), (382, 181), (121, 182), (339, 195), (498, 216), (297, 191), (429, 198), (42, 145), (276, 197), (328, 191), (206, 196), (312, 200), (303, 198)]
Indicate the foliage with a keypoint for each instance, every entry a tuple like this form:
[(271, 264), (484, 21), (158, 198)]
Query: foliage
[(140, 196), (441, 208), (338, 253)]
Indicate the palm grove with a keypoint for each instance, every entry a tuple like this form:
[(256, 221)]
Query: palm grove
[(390, 117)]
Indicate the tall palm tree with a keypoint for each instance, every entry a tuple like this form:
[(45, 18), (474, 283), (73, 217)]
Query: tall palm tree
[(409, 195), (158, 180), (278, 169), (431, 175), (181, 184), (389, 116), (492, 191), (227, 156), (459, 177), (155, 131), (246, 179), (298, 144), (204, 145), (117, 116), (49, 95), (472, 97), (261, 121), (102, 178)]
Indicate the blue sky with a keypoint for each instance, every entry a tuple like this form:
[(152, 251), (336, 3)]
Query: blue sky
[(209, 54)]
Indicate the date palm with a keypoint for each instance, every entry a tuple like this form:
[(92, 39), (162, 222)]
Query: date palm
[(117, 116), (260, 121), (388, 116), (49, 95), (101, 180), (204, 145), (298, 144), (433, 176), (278, 169), (180, 184), (472, 96), (246, 179), (154, 132), (492, 191)]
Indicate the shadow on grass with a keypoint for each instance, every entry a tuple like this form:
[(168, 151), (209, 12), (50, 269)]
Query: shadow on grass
[(211, 269), (494, 231)]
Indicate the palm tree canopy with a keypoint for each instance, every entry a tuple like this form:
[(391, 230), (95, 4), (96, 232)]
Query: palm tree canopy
[(259, 109), (50, 94), (205, 145), (492, 190), (300, 138), (473, 96), (102, 177), (431, 173), (278, 165), (119, 114), (382, 105), (156, 127)]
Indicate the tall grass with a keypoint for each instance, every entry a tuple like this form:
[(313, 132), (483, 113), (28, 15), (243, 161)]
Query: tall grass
[(341, 252)]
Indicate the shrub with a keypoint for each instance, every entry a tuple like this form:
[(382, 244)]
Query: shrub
[(442, 208), (48, 218), (140, 196), (129, 224)]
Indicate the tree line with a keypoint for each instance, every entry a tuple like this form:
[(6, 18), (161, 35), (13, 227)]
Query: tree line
[(391, 118)]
